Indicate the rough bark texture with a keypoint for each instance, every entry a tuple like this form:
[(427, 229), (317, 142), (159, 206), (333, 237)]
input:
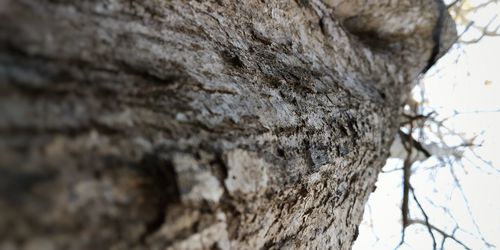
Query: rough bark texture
[(161, 124)]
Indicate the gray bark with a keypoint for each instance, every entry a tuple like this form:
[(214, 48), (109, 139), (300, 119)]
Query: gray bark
[(201, 124)]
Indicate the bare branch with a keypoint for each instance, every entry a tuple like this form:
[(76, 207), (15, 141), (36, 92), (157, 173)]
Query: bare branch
[(469, 210), (427, 224), (441, 232)]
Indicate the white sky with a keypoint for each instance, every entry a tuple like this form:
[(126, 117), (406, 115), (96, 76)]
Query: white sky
[(469, 84)]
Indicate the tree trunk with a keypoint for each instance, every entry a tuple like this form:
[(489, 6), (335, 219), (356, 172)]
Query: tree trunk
[(161, 124)]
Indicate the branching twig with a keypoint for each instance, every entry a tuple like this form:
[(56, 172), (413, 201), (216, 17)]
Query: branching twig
[(441, 232), (428, 225), (469, 210)]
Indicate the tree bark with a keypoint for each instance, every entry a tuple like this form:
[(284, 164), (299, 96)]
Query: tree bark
[(161, 124)]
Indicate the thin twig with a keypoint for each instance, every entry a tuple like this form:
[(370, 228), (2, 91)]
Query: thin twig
[(441, 232), (428, 225)]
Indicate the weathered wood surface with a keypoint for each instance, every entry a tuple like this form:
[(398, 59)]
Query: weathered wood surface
[(163, 124)]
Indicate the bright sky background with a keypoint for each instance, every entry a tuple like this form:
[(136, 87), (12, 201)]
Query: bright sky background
[(466, 80)]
